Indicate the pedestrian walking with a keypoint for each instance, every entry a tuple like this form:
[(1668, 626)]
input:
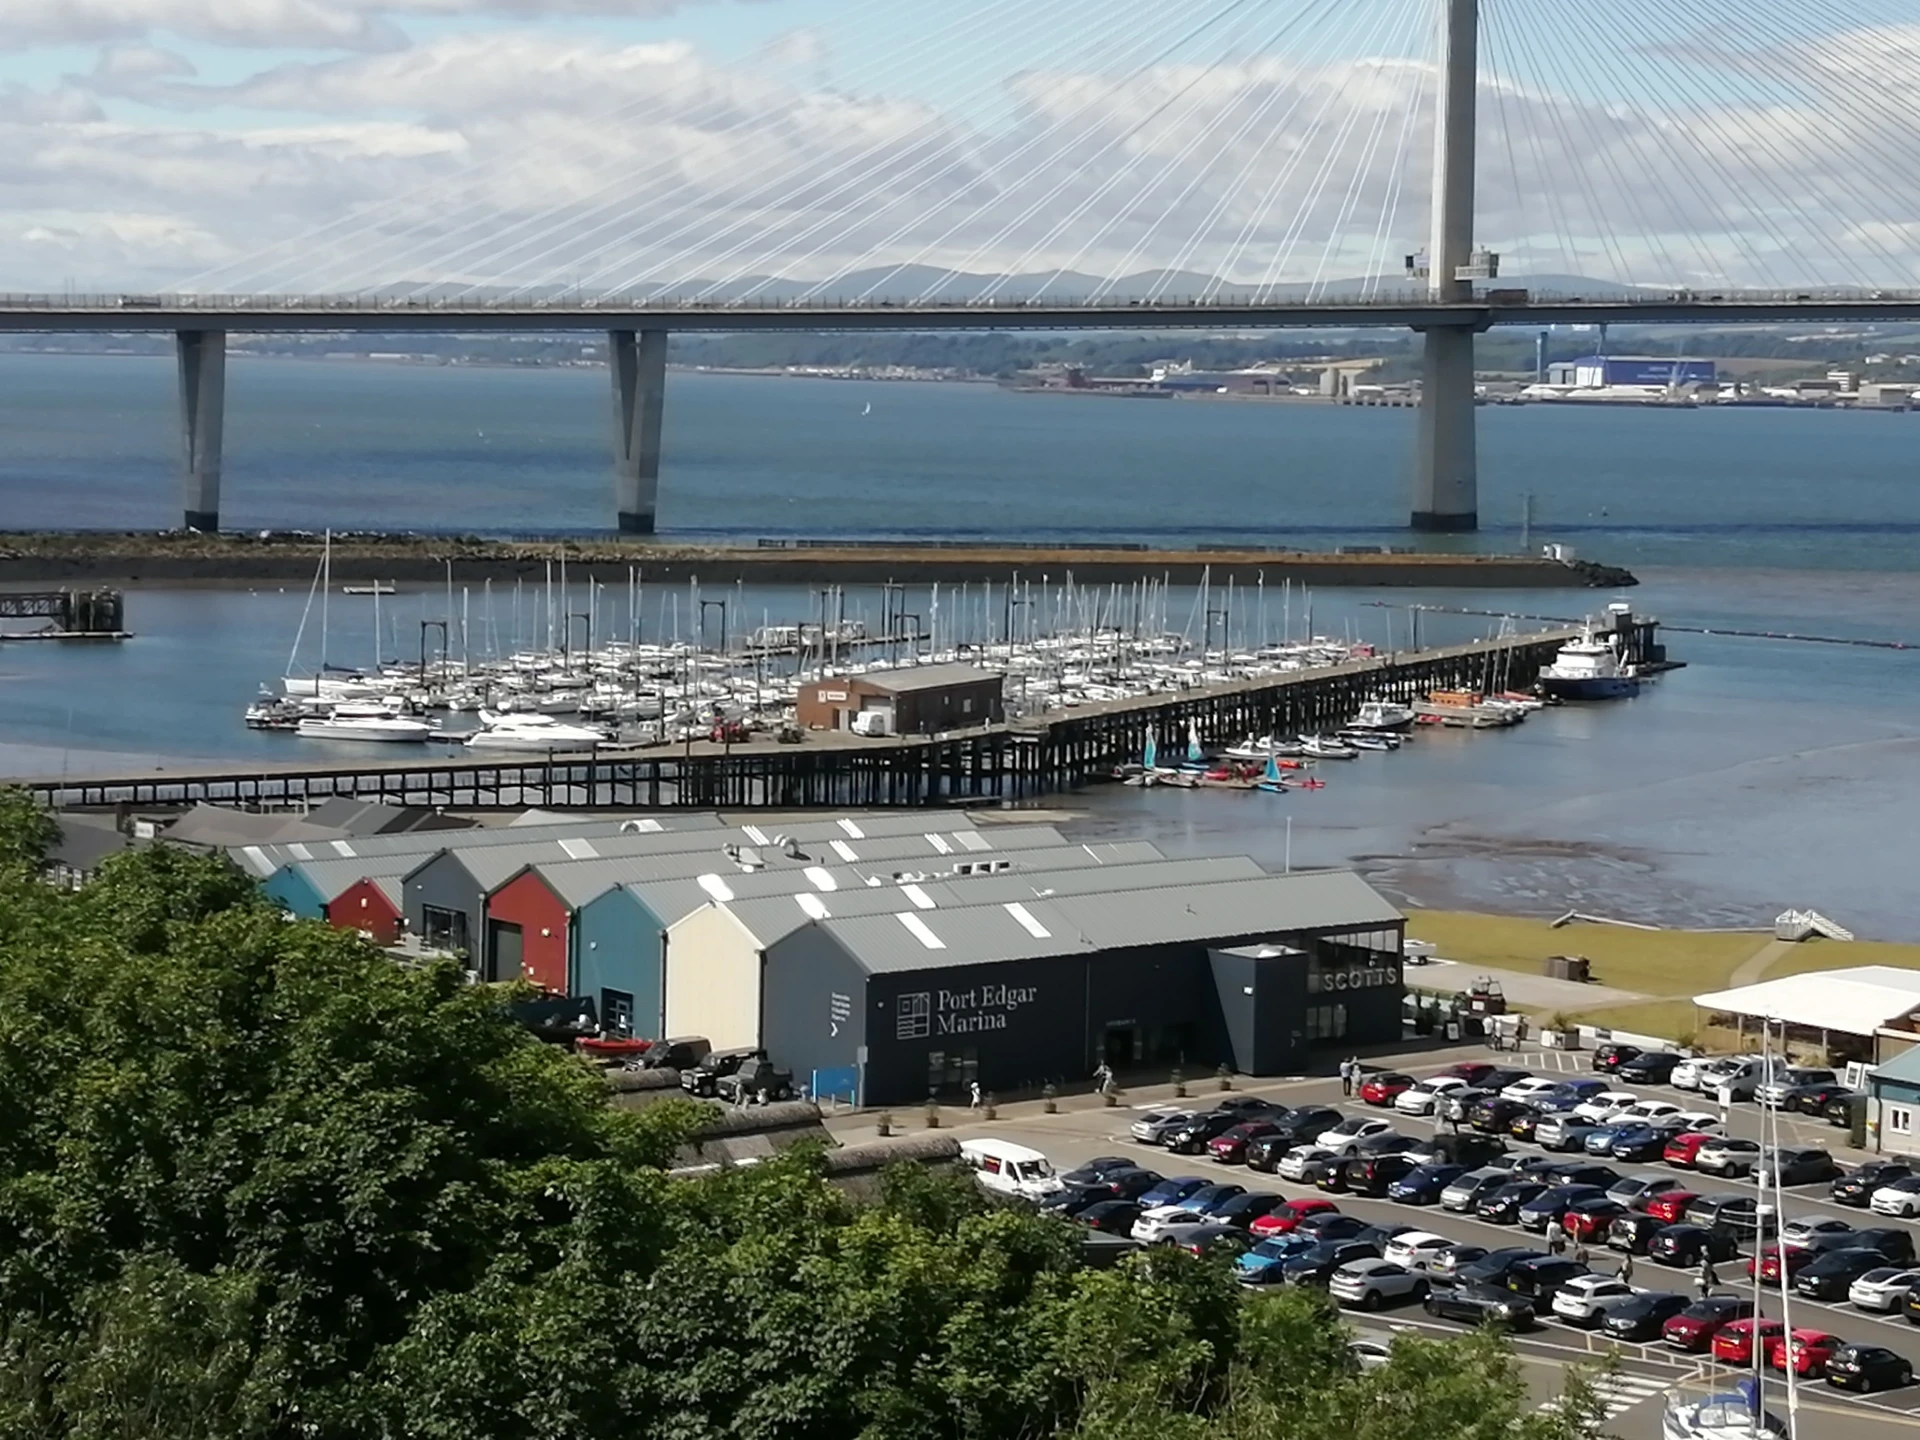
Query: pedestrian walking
[(974, 1103), (1580, 1253), (1453, 1116), (1556, 1238), (1346, 1078), (1707, 1278), (1103, 1077), (1626, 1269)]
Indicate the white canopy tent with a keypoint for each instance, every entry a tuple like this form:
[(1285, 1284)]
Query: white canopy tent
[(1861, 1001)]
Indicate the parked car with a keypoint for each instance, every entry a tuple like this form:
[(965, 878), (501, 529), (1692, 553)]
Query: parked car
[(1728, 1156), (1856, 1187), (1642, 1317), (1693, 1328), (1737, 1213), (1459, 1104), (1502, 1206), (1072, 1200), (1445, 1266), (1473, 1072), (1262, 1265), (1305, 1164), (1097, 1169), (1166, 1226), (1570, 1092), (1249, 1107), (1642, 1142), (1522, 1126), (1315, 1265), (1230, 1148), (1495, 1114), (1841, 1111), (1422, 1098), (1684, 1149), (1817, 1098), (1611, 1055), (1492, 1268), (1465, 1191), (1601, 1141), (1528, 1088), (1580, 1172), (1803, 1228), (1833, 1275), (1425, 1184), (1112, 1217), (1688, 1245), (1128, 1184), (1382, 1088), (1307, 1121), (1636, 1192), (1563, 1133), (1670, 1206), (1173, 1191), (1242, 1210), (1589, 1220), (681, 1052), (1331, 1225), (1155, 1126), (1480, 1305), (1415, 1249), (1538, 1281), (1649, 1067), (1867, 1368), (1584, 1300), (1632, 1232), (702, 1080), (1768, 1263), (1192, 1138), (1605, 1105), (1283, 1219), (1784, 1082), (1369, 1284), (1375, 1174), (1688, 1074), (1883, 1289), (1347, 1135), (1501, 1076), (1214, 1239), (1894, 1242), (1899, 1197), (1805, 1352), (1735, 1342), (1796, 1165), (1553, 1203)]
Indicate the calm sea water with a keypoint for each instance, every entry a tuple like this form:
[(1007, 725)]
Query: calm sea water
[(1767, 773)]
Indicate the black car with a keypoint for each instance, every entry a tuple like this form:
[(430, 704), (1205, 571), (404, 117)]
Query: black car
[(1831, 1275), (1304, 1124), (1111, 1217), (1856, 1187), (1379, 1235), (1331, 1225), (1211, 1239), (703, 1080), (1814, 1099), (1649, 1067), (1098, 1169), (1576, 1172), (1893, 1243), (1501, 1076), (1480, 1305), (1495, 1115), (1687, 1245), (1265, 1153), (1868, 1367), (1073, 1199), (1472, 1151), (1641, 1317), (1537, 1281), (1242, 1210), (1841, 1113), (1524, 1124), (1193, 1138), (1375, 1175), (1502, 1207), (1554, 1202), (1492, 1268), (1609, 1057), (1316, 1266), (1458, 1104), (1641, 1145), (1799, 1165), (1739, 1214), (1633, 1232), (1249, 1107), (1128, 1184), (1423, 1184)]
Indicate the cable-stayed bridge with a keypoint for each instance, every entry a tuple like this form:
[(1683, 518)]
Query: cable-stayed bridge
[(1219, 165)]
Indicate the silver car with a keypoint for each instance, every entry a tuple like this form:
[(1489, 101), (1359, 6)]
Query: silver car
[(1154, 1127), (1370, 1283)]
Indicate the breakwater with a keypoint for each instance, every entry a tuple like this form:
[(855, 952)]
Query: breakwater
[(164, 559), (1032, 758)]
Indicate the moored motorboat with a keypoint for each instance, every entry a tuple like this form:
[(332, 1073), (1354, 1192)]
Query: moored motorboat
[(1370, 739), (533, 732), (1382, 715), (1588, 669), (1325, 747), (379, 724)]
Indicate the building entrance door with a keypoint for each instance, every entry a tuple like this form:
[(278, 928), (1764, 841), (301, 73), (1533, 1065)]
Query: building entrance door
[(1121, 1047), (505, 950)]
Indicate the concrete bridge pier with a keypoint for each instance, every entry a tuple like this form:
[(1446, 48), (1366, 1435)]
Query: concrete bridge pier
[(638, 360), (203, 406), (1446, 487)]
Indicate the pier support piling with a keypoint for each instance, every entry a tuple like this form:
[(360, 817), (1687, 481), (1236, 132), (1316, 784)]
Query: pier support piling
[(1446, 483), (638, 360), (203, 405)]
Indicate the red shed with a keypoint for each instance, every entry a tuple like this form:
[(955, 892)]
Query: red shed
[(527, 932), (369, 906)]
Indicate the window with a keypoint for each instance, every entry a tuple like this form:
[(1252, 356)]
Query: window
[(1900, 1119), (1326, 1022), (444, 929), (616, 1011)]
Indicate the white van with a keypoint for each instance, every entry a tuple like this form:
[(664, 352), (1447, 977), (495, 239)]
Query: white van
[(1009, 1169)]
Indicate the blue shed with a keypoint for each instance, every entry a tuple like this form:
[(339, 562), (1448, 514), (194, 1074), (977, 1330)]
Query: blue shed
[(295, 891), (619, 961)]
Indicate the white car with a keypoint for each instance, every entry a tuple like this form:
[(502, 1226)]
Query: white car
[(1370, 1283), (1603, 1107), (1370, 1354), (1882, 1291), (1731, 1156), (1345, 1138), (1529, 1088), (1164, 1225), (1901, 1198), (1644, 1112), (1293, 1165), (1798, 1234), (1687, 1074), (1414, 1249), (1585, 1299), (1424, 1098), (1697, 1120)]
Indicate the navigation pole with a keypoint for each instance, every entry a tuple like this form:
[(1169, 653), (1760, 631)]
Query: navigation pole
[(1445, 486)]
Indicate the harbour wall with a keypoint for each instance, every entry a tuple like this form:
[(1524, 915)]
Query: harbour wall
[(171, 560)]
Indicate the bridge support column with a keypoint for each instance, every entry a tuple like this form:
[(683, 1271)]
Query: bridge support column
[(203, 407), (639, 364), (1445, 483)]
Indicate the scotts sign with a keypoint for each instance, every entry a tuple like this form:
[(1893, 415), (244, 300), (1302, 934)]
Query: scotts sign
[(1353, 977)]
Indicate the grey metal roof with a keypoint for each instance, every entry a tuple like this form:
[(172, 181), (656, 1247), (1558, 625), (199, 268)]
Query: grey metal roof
[(927, 677), (1120, 918), (333, 878)]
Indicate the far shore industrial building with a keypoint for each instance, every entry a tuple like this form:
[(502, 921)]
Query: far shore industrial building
[(883, 958)]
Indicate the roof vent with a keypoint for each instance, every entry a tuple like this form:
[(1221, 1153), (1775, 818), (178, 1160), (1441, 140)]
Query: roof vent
[(641, 827), (751, 859)]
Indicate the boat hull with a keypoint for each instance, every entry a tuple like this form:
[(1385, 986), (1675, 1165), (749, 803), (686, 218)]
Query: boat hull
[(1589, 687), (404, 733)]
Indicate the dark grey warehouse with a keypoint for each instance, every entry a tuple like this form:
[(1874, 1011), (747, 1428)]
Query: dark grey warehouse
[(1253, 973)]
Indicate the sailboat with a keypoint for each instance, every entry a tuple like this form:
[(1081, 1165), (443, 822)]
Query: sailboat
[(329, 682), (1270, 780), (1196, 761)]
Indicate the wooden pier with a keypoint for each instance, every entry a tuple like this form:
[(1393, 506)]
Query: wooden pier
[(1023, 760)]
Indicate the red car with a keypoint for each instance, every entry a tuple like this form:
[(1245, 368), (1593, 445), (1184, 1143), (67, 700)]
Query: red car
[(1695, 1327), (1591, 1219), (1382, 1088), (1669, 1206), (1283, 1218), (1811, 1350), (1769, 1261), (1733, 1343), (1231, 1148), (1683, 1148)]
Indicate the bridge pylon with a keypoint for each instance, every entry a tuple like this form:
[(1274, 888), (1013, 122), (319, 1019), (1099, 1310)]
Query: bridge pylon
[(638, 360), (203, 407)]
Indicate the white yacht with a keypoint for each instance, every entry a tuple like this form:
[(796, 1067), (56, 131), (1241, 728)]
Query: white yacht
[(1588, 669), (1383, 715), (378, 723), (533, 732)]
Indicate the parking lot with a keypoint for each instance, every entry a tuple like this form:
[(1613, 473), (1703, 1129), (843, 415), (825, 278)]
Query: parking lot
[(1648, 1372)]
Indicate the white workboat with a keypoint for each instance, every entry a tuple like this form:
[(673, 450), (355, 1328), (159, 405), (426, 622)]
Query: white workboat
[(1383, 715), (1325, 747), (1588, 669), (533, 732), (378, 724)]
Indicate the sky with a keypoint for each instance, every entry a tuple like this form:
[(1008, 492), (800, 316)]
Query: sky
[(871, 147)]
